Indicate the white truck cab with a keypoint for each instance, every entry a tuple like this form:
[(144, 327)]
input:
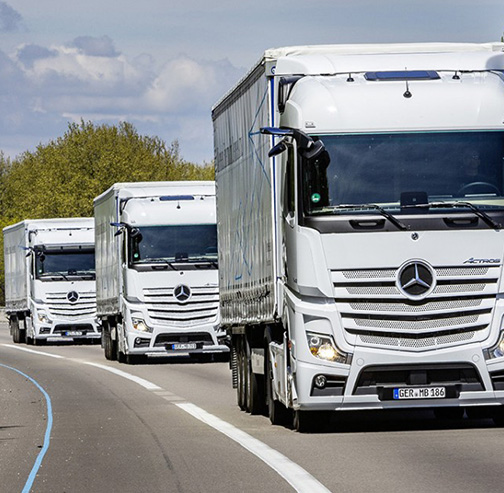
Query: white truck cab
[(157, 272), (50, 287)]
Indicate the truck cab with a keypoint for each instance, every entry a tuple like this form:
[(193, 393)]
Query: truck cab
[(50, 280), (161, 267)]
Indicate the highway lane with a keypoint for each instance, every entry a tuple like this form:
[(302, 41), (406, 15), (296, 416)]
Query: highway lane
[(113, 434)]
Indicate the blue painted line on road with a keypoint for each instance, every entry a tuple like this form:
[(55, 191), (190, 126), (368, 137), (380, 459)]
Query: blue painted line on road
[(47, 437)]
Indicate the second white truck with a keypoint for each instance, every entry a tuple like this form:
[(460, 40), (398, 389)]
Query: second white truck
[(157, 273)]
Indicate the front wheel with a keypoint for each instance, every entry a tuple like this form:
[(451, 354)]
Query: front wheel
[(109, 345), (18, 335), (310, 421), (278, 414)]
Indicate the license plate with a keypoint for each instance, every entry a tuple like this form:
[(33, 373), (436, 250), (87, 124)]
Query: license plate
[(183, 346), (420, 393), (73, 333)]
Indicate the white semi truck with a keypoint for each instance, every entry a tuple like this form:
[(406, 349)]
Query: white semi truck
[(157, 274), (360, 204), (50, 289)]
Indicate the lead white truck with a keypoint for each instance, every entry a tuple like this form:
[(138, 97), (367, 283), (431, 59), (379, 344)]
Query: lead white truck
[(50, 289), (157, 271), (360, 201)]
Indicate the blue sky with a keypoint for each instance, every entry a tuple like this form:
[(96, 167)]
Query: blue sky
[(162, 64)]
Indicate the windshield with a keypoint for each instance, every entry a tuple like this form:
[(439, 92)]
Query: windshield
[(181, 243), (390, 169), (65, 263)]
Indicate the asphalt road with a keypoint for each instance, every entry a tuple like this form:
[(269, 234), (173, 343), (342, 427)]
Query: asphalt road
[(71, 421)]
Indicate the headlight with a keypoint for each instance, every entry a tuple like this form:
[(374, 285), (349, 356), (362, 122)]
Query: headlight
[(496, 351), (139, 324), (322, 346), (43, 317)]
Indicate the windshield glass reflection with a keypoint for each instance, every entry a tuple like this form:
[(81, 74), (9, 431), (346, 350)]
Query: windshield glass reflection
[(387, 169), (181, 243)]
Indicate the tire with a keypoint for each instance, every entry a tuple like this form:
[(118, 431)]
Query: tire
[(135, 359), (18, 335), (241, 389), (278, 414), (255, 391), (309, 421), (120, 356), (109, 345)]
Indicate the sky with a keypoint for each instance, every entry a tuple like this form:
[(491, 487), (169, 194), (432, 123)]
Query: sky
[(162, 64)]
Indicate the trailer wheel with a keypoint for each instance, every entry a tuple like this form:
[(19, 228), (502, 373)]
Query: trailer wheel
[(242, 376)]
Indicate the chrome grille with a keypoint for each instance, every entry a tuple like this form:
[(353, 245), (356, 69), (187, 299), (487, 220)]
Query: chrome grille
[(375, 312), (201, 308), (61, 309)]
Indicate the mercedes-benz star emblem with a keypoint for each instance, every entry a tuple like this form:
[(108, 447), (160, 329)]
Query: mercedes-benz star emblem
[(182, 292), (416, 279), (72, 296)]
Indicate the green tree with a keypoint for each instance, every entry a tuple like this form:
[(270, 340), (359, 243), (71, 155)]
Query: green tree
[(61, 178)]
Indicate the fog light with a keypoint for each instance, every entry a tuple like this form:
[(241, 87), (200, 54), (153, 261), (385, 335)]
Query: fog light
[(320, 381)]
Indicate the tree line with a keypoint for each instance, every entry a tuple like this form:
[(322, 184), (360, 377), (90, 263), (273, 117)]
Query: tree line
[(61, 178)]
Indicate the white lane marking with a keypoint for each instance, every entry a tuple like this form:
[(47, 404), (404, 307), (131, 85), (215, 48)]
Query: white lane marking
[(295, 475), (140, 381), (12, 346), (301, 480)]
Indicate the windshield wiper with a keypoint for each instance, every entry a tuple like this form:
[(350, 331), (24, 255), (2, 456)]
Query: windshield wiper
[(155, 261), (459, 203), (205, 260), (377, 208)]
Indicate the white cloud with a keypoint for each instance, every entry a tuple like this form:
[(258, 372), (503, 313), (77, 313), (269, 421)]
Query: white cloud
[(89, 79)]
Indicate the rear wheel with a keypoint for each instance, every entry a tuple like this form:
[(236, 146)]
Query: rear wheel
[(242, 376)]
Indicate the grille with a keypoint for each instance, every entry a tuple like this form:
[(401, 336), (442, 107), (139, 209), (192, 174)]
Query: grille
[(60, 308), (84, 328), (163, 339), (200, 309), (457, 311)]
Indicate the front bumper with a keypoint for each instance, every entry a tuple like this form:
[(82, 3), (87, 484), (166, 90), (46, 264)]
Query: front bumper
[(472, 387), (176, 342), (68, 330)]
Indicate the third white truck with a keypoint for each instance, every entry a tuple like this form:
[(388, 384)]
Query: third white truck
[(360, 201), (50, 289)]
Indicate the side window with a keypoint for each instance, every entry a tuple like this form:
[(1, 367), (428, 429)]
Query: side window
[(289, 199)]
